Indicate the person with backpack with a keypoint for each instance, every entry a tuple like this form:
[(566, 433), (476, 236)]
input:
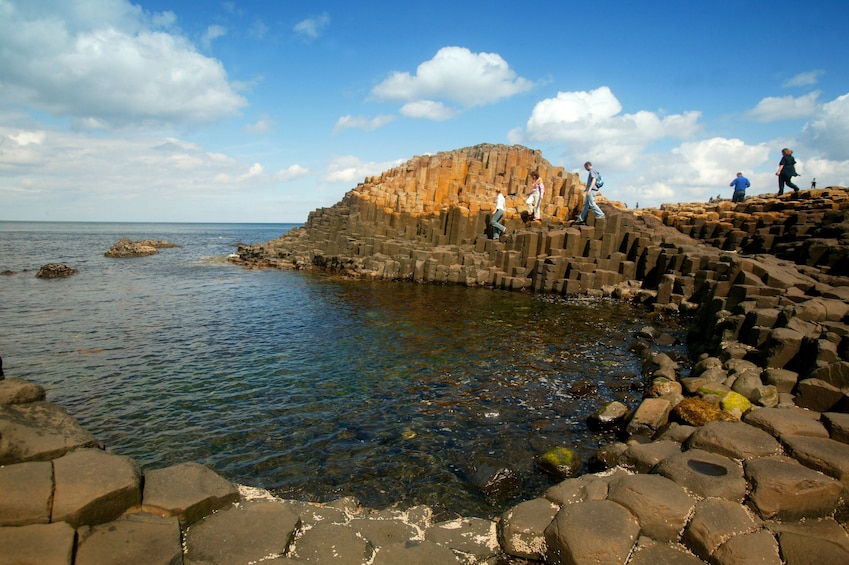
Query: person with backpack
[(594, 184)]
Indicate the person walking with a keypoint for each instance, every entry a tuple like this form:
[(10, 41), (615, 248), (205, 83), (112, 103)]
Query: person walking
[(535, 199), (786, 171), (740, 185), (589, 196), (498, 228)]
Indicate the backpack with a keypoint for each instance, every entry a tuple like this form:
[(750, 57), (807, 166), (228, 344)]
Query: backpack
[(599, 182)]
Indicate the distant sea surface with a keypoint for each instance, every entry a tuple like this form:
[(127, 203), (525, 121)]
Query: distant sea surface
[(306, 385)]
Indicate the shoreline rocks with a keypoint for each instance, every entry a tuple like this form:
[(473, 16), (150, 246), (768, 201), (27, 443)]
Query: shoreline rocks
[(126, 248)]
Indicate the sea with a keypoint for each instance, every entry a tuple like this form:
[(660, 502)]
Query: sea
[(311, 386)]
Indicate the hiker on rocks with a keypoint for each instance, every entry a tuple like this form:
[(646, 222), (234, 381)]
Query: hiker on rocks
[(498, 228), (786, 171), (740, 185), (589, 196), (535, 199), (813, 183)]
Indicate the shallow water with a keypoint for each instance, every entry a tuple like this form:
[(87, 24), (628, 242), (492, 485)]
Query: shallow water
[(309, 386)]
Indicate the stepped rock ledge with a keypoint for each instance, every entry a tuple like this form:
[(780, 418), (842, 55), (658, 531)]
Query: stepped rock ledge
[(738, 456)]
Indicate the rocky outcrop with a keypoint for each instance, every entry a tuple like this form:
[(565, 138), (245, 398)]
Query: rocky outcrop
[(126, 248), (55, 271)]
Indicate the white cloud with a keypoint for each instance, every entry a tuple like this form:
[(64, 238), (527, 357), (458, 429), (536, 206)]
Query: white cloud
[(290, 173), (351, 170), (263, 125), (360, 122), (591, 123), (456, 75), (428, 109), (828, 130), (107, 65), (310, 28), (773, 108), (212, 33), (804, 79)]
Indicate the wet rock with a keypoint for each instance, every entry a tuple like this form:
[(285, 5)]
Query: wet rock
[(126, 248), (55, 271), (559, 462), (584, 388), (494, 478), (608, 455), (612, 414), (597, 531)]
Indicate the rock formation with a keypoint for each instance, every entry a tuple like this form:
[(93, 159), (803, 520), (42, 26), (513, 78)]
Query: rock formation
[(126, 248), (55, 271)]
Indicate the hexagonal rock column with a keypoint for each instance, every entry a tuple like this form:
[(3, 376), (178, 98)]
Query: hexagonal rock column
[(135, 538), (45, 544), (39, 431), (597, 531), (189, 491), (661, 506), (705, 474), (784, 489), (242, 534), (734, 439), (93, 487), (522, 528), (27, 493)]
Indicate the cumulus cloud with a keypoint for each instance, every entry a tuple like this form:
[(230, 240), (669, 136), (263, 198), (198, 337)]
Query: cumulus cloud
[(828, 129), (454, 75), (359, 122), (312, 27), (428, 109), (352, 170), (773, 109), (804, 79), (291, 173), (107, 65), (591, 122)]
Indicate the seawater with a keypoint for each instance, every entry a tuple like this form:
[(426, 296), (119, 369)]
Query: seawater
[(307, 385)]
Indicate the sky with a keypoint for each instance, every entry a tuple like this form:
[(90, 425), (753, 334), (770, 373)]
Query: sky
[(262, 111)]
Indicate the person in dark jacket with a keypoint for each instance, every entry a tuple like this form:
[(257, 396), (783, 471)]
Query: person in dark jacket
[(786, 171)]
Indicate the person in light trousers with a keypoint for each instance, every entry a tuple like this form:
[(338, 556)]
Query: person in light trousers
[(589, 196)]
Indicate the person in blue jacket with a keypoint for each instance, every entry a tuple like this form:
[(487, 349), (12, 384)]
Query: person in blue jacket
[(740, 185)]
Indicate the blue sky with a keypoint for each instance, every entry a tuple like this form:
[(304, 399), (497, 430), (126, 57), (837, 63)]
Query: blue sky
[(262, 111)]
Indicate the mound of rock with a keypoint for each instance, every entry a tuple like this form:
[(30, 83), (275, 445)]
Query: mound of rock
[(55, 271), (126, 248)]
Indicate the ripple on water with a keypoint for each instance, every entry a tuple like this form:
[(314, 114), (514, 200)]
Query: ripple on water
[(316, 388)]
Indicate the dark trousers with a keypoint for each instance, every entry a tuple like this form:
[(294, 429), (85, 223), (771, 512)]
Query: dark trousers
[(788, 180)]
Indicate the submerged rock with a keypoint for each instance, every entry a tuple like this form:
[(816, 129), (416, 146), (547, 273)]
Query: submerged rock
[(126, 248), (55, 271)]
